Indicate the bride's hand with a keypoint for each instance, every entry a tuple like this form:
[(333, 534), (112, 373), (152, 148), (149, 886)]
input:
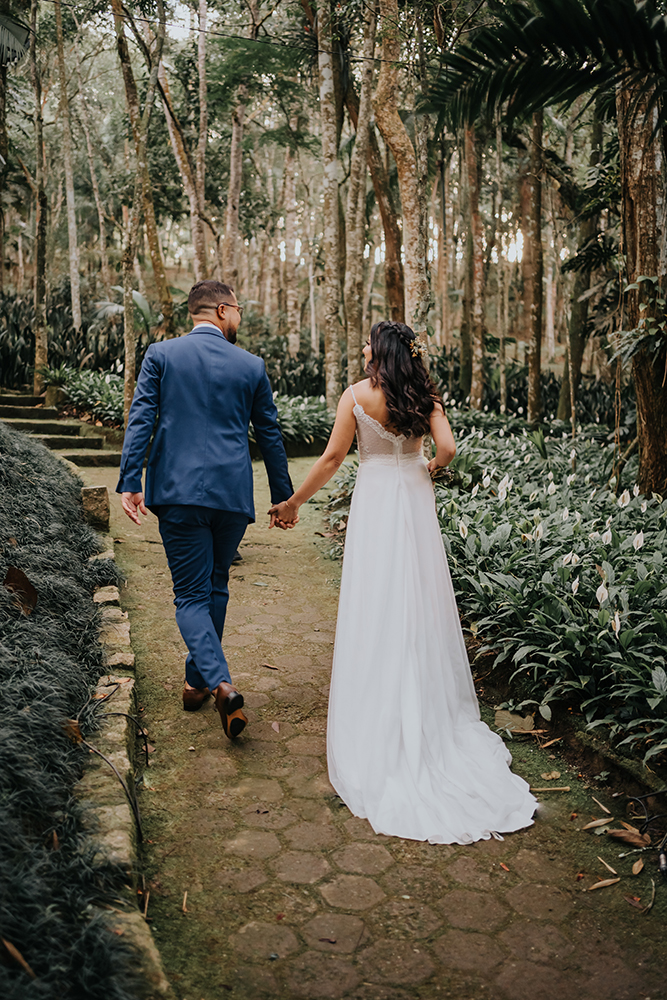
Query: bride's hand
[(283, 515), (433, 466)]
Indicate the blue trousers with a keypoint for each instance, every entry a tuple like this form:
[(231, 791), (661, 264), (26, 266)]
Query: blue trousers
[(200, 543)]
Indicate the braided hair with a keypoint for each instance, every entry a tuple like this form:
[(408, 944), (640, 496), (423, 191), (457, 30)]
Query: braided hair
[(396, 366)]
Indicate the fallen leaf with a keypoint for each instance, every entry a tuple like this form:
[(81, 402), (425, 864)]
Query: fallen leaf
[(270, 666), (328, 940), (603, 808), (504, 867), (551, 742), (573, 815), (72, 730), (184, 907), (550, 775), (150, 748), (191, 748), (628, 826), (603, 884), (596, 822), (513, 721), (18, 957), (634, 901), (118, 931), (25, 595), (630, 837), (637, 867), (280, 916), (608, 867), (275, 726), (580, 875)]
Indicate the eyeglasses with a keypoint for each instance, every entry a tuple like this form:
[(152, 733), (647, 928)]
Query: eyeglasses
[(234, 305)]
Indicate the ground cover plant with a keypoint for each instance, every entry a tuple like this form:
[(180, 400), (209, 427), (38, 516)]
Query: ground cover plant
[(50, 659), (559, 572)]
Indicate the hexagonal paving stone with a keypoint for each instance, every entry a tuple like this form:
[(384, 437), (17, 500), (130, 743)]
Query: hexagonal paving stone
[(465, 870), (543, 901), (415, 881), (260, 789), (268, 816), (254, 844), (534, 866), (528, 980), (352, 892), (396, 962), (300, 866), (469, 951), (367, 859), (334, 932), (313, 835), (316, 976), (310, 744), (260, 940), (232, 880), (536, 942), (463, 908), (360, 829), (411, 916)]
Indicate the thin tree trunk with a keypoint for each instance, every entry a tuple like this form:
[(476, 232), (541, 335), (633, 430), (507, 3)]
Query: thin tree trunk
[(41, 204), (200, 176), (69, 172), (4, 151), (502, 276), (532, 267), (355, 226), (477, 270), (398, 141), (331, 239), (290, 269)]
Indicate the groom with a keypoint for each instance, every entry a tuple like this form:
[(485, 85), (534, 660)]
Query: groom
[(197, 396)]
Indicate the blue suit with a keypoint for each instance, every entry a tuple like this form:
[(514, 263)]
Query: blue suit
[(197, 396)]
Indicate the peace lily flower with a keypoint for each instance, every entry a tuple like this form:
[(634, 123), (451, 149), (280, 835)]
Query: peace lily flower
[(502, 493), (644, 506), (608, 521), (624, 498), (463, 529), (594, 535), (501, 433), (606, 538), (575, 585), (486, 482), (475, 490), (616, 623), (533, 496), (565, 514), (551, 489), (575, 559), (570, 479), (525, 537), (539, 531), (638, 541), (573, 453), (602, 593), (526, 460), (567, 559), (635, 490), (550, 476)]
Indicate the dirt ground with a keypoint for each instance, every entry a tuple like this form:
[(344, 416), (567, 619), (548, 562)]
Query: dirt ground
[(289, 895)]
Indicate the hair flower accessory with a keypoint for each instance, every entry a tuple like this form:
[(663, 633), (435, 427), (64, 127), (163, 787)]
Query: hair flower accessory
[(418, 348)]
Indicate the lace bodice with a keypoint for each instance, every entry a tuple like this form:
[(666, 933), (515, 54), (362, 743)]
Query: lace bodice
[(376, 441)]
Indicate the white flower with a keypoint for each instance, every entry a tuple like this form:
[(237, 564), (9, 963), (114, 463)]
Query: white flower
[(570, 479), (474, 490), (606, 538), (550, 476), (533, 496), (486, 482), (616, 623), (624, 499), (504, 483), (526, 537), (602, 593), (463, 529), (575, 559), (635, 490), (568, 558), (502, 493), (608, 521), (551, 489), (593, 535), (539, 531), (644, 506), (593, 494), (480, 435), (577, 517), (565, 514), (575, 585), (501, 433), (526, 460), (524, 446), (518, 462), (638, 541)]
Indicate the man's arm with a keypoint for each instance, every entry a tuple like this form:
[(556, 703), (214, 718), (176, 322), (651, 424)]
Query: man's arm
[(140, 425), (264, 418)]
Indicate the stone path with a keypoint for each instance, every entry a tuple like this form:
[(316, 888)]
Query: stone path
[(288, 895)]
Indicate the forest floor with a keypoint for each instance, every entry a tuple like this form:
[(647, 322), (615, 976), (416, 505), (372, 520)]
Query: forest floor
[(289, 895)]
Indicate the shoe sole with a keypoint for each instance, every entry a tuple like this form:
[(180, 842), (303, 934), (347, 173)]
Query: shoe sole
[(236, 723)]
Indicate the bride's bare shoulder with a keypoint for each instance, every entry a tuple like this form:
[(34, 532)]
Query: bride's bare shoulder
[(365, 391)]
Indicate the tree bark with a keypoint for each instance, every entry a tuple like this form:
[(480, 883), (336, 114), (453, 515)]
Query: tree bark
[(532, 266), (41, 204), (477, 270), (644, 238), (200, 176), (398, 141), (331, 239), (355, 226), (502, 276), (75, 284), (290, 269)]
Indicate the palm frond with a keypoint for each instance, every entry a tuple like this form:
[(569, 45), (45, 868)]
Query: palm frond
[(13, 39)]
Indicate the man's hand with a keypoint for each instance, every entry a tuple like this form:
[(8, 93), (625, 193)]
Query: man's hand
[(132, 504), (283, 515)]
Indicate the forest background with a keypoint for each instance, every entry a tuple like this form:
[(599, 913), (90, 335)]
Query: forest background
[(491, 173)]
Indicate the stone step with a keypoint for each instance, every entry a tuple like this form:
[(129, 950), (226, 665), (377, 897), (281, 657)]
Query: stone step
[(58, 441), (29, 413), (18, 399), (98, 458), (69, 427)]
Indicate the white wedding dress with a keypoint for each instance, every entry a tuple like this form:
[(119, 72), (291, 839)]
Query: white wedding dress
[(406, 747)]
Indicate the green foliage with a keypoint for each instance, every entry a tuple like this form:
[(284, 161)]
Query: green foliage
[(299, 376), (560, 576)]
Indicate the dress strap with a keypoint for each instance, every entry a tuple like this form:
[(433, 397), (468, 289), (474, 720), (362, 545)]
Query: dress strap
[(353, 396)]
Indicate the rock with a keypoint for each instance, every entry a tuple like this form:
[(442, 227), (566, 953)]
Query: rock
[(96, 508), (107, 595)]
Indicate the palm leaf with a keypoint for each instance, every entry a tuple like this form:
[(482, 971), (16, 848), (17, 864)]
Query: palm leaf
[(13, 38)]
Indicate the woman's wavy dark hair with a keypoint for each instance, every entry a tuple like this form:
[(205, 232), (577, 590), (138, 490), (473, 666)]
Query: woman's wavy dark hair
[(402, 376)]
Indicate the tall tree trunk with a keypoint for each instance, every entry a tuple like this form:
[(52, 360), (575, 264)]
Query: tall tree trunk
[(398, 141), (200, 175), (477, 270), (503, 281), (355, 225), (532, 266), (290, 269), (135, 116), (69, 172), (644, 237), (331, 240), (41, 204), (578, 327), (4, 152)]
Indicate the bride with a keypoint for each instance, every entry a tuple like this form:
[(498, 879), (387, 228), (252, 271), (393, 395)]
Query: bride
[(406, 747)]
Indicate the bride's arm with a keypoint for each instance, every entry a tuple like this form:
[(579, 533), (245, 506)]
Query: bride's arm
[(335, 452), (441, 432)]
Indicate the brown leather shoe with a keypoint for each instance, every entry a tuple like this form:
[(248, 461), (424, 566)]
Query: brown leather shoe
[(229, 703), (194, 698)]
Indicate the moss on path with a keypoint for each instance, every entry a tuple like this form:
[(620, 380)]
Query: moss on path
[(288, 895)]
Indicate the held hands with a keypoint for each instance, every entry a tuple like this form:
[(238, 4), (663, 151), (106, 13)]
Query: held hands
[(133, 503), (283, 515)]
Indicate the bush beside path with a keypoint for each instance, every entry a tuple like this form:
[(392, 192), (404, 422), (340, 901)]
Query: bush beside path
[(290, 896)]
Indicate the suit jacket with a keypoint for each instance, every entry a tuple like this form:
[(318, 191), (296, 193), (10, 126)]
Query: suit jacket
[(203, 392)]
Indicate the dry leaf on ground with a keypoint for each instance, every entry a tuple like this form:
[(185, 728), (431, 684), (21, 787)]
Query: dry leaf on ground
[(637, 867), (270, 666), (514, 722), (596, 822), (608, 867), (603, 808), (603, 884), (631, 837), (550, 775), (635, 901), (276, 726), (25, 595)]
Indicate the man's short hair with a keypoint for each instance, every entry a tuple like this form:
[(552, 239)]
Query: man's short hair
[(208, 293)]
